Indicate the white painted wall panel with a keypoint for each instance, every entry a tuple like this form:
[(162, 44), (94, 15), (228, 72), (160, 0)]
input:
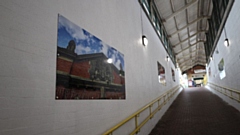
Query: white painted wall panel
[(28, 43), (230, 55)]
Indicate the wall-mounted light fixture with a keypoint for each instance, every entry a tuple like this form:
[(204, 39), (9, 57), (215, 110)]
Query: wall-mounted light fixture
[(226, 41), (144, 40), (211, 58), (177, 65), (167, 58)]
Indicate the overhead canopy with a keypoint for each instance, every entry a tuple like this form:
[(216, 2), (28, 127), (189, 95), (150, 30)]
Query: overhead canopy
[(186, 22)]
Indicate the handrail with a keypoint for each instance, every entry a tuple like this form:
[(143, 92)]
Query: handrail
[(166, 97), (225, 91)]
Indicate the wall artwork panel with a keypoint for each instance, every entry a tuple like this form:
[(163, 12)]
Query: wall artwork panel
[(209, 71), (161, 74), (221, 69), (173, 75), (87, 68)]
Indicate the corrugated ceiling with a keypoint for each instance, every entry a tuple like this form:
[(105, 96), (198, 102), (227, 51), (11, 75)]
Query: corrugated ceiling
[(185, 22)]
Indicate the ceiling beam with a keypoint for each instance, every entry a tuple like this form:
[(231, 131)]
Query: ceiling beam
[(191, 55), (188, 54), (184, 68), (187, 64), (188, 38), (194, 43), (199, 58), (189, 67), (190, 46), (203, 64), (192, 52), (179, 30), (193, 61), (192, 64), (180, 10)]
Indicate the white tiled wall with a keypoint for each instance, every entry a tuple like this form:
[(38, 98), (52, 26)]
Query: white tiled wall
[(231, 54), (28, 35)]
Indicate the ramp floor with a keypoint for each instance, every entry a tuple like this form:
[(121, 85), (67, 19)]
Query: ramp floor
[(197, 111)]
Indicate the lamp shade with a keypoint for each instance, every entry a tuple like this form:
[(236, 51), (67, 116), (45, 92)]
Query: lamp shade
[(144, 40), (226, 42), (167, 58), (211, 58)]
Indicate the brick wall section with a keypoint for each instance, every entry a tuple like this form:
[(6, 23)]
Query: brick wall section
[(63, 65), (81, 69), (123, 80), (116, 78), (60, 91)]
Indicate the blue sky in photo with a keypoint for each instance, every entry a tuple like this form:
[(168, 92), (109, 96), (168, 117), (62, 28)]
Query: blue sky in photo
[(86, 43)]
